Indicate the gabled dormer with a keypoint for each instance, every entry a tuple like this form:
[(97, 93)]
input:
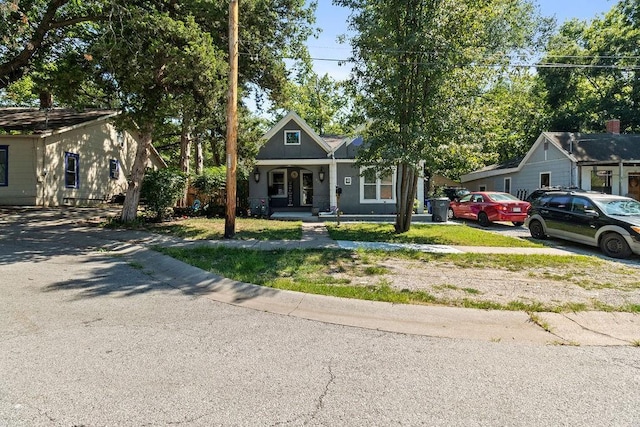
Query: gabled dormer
[(293, 138)]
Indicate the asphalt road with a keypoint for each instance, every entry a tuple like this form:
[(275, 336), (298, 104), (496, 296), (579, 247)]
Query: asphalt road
[(90, 339)]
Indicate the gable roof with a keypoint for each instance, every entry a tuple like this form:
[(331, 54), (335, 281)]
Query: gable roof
[(292, 116), (32, 121), (601, 147), (578, 147)]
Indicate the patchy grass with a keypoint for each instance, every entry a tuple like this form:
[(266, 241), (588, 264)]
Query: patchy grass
[(335, 272), (460, 235), (213, 228), (534, 318)]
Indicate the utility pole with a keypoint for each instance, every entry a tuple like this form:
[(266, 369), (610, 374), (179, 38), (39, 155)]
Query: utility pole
[(232, 123)]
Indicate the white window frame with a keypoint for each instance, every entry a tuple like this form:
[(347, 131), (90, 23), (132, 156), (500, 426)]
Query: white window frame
[(292, 132), (505, 185), (72, 169), (540, 179), (378, 200), (482, 187), (286, 182)]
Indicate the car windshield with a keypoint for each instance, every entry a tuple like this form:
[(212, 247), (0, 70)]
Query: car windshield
[(503, 197), (622, 207)]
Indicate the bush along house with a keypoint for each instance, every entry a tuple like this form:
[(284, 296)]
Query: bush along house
[(298, 170)]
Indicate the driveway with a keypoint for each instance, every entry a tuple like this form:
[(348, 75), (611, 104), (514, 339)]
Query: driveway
[(90, 335)]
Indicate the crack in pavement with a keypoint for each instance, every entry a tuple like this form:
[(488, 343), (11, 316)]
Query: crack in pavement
[(594, 331)]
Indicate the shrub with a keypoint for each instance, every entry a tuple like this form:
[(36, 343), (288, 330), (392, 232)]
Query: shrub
[(212, 182), (162, 188)]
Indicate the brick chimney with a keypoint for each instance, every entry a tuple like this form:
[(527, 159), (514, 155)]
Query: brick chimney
[(46, 100), (613, 126)]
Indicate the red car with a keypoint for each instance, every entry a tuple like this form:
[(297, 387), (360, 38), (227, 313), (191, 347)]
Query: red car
[(489, 206)]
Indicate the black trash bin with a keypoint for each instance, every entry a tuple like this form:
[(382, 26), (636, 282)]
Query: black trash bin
[(439, 209)]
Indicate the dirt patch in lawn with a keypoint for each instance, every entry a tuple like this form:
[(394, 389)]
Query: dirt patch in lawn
[(609, 286)]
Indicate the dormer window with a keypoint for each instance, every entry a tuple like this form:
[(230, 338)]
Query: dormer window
[(291, 137)]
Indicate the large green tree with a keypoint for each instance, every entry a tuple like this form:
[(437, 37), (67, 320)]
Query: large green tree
[(321, 101), (162, 62), (590, 71), (408, 56), (37, 30)]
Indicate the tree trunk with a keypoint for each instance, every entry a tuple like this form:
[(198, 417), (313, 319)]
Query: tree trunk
[(185, 156), (406, 189), (199, 158), (132, 198)]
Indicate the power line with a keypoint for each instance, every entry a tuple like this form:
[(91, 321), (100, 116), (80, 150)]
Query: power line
[(631, 67)]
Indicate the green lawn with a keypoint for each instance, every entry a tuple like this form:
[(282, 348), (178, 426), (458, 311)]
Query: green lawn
[(213, 228), (460, 235)]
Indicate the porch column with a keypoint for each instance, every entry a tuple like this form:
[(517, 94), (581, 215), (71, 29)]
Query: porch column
[(620, 183), (420, 189), (333, 181), (420, 194)]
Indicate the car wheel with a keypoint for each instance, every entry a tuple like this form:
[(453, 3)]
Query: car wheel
[(483, 219), (517, 223), (451, 214), (614, 246), (537, 230)]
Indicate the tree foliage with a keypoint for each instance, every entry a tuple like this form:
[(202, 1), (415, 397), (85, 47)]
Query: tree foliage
[(408, 57), (321, 101), (162, 62), (599, 76), (162, 188)]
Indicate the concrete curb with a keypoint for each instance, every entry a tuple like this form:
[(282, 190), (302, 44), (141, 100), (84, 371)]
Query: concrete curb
[(588, 328)]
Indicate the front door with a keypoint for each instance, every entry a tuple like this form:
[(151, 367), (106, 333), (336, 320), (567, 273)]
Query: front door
[(306, 189)]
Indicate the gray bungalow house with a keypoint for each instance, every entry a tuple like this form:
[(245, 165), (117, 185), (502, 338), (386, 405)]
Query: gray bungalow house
[(298, 170), (608, 163)]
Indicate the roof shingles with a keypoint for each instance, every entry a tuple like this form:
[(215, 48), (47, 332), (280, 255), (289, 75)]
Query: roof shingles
[(34, 121)]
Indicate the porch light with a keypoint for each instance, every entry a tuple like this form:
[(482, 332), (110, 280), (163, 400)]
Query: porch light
[(256, 174), (321, 174)]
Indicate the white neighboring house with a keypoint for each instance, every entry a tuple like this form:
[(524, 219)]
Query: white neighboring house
[(608, 163), (59, 157)]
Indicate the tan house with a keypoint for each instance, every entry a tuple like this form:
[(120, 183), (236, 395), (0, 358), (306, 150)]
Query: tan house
[(59, 157)]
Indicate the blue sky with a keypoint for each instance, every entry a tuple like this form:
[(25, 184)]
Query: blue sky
[(332, 20)]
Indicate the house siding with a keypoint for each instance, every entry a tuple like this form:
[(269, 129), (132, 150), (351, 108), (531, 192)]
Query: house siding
[(96, 144), (275, 147), (22, 183), (552, 160), (350, 198)]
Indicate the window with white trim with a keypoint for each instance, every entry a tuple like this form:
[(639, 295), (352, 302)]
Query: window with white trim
[(278, 183), (377, 187), (71, 170), (545, 179), (4, 165), (507, 185), (291, 137)]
